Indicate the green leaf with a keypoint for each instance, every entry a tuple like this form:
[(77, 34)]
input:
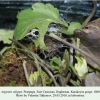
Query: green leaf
[(47, 10), (75, 83), (48, 80), (64, 65), (4, 50), (34, 79), (81, 67), (59, 65), (5, 35), (54, 63), (55, 60), (40, 16), (70, 30)]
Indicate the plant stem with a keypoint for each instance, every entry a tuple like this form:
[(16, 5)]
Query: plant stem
[(39, 69), (25, 71), (68, 77), (45, 66), (78, 49), (48, 72), (27, 50), (91, 15)]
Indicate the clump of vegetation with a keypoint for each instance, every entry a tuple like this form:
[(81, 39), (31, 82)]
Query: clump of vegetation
[(24, 66)]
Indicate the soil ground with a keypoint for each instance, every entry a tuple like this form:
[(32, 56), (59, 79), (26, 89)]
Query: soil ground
[(11, 71)]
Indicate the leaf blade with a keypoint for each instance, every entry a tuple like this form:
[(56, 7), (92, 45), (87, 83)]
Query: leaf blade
[(5, 35), (40, 16)]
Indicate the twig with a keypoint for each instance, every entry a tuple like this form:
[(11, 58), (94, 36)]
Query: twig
[(71, 55), (42, 63), (25, 71), (91, 15), (69, 44), (50, 74), (61, 81), (25, 48), (39, 69), (68, 78), (36, 65)]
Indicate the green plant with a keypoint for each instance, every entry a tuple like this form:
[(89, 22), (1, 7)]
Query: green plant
[(5, 35), (81, 67), (60, 66), (40, 16), (12, 83)]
